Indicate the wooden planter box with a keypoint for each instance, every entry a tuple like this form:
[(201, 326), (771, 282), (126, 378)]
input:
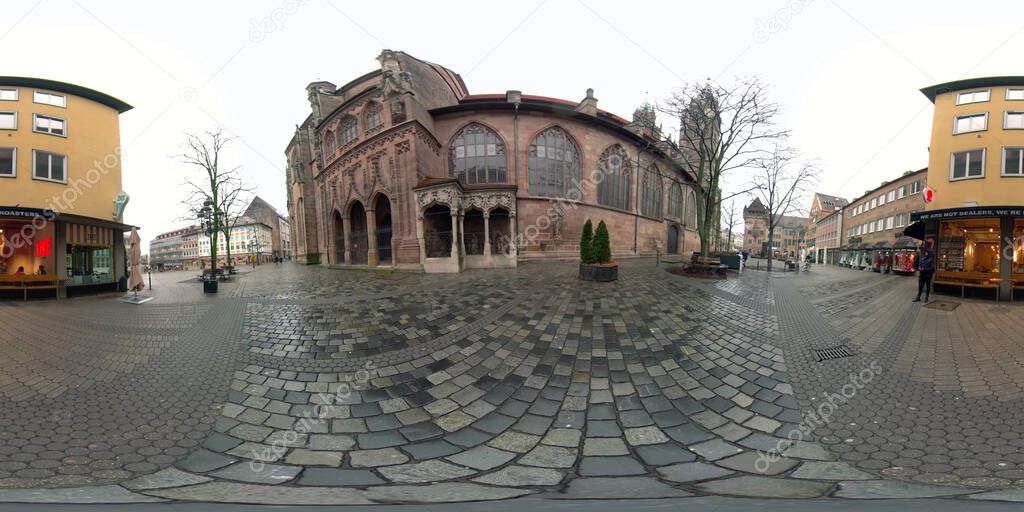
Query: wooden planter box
[(600, 272)]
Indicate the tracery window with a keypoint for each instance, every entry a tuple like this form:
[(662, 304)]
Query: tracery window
[(477, 155), (349, 130), (690, 218), (372, 115), (675, 201), (554, 164), (329, 143), (650, 192), (616, 176)]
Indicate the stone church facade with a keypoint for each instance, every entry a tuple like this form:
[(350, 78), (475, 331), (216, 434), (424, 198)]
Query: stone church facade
[(403, 167)]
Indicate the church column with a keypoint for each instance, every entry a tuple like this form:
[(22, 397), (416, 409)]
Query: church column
[(347, 228), (371, 238), (487, 236), (456, 234)]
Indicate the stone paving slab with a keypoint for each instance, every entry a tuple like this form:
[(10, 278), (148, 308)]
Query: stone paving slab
[(890, 489), (349, 381), (110, 494)]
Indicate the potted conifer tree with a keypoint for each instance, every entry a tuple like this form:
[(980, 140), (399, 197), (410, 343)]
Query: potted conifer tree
[(596, 255)]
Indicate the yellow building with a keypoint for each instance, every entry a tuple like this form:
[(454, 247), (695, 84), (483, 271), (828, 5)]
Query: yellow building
[(61, 201), (976, 170)]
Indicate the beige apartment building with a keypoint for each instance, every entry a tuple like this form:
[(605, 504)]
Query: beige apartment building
[(873, 224)]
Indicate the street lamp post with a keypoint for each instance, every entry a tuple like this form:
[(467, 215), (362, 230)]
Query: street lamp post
[(208, 224)]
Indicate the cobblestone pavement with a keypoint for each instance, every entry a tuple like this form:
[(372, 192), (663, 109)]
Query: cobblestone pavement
[(307, 385)]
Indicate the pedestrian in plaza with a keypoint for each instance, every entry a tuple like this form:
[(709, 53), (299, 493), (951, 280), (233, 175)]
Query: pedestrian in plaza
[(926, 268)]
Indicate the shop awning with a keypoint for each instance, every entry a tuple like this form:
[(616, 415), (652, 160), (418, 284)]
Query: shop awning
[(905, 242), (864, 246), (915, 230), (884, 244)]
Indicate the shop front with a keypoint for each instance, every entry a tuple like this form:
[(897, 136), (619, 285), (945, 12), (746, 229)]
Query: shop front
[(979, 251), (904, 256), (76, 255)]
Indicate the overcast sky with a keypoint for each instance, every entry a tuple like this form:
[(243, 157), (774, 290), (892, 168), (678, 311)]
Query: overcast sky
[(847, 73)]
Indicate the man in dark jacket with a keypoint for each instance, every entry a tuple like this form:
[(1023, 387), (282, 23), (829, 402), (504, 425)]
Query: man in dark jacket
[(925, 268)]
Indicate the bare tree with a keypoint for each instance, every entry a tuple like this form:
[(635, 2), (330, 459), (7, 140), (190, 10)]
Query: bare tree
[(730, 221), (781, 181), (215, 186), (721, 129)]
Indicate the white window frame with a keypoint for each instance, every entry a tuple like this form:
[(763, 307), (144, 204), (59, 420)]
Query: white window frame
[(967, 176), (881, 200), (970, 96), (14, 163), (982, 115), (15, 119), (915, 188), (35, 155), (1006, 119), (9, 89), (1010, 90), (890, 196), (899, 221), (889, 221), (1020, 163), (874, 203), (901, 192), (36, 129), (39, 92)]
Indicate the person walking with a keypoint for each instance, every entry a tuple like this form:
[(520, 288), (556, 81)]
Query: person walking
[(925, 268)]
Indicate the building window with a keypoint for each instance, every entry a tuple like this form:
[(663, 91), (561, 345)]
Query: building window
[(349, 130), (899, 220), (874, 203), (8, 120), (477, 155), (900, 192), (915, 187), (1015, 94), (967, 164), (329, 143), (971, 123), (49, 98), (554, 164), (8, 95), (1013, 161), (650, 193), (47, 124), (49, 166), (8, 162), (372, 115), (690, 219), (889, 222), (613, 190), (891, 196), (1013, 121), (972, 97), (675, 201), (881, 200)]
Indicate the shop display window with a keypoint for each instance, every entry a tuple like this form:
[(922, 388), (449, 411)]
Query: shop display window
[(968, 246), (1018, 246), (89, 265)]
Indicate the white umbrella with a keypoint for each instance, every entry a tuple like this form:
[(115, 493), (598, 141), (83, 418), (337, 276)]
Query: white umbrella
[(135, 282)]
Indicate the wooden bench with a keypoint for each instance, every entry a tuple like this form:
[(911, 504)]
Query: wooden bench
[(982, 280), (30, 282), (704, 260), (220, 274)]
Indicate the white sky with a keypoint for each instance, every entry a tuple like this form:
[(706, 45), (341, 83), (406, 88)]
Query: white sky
[(847, 73)]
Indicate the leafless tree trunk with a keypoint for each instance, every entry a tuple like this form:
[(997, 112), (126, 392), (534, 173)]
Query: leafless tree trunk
[(721, 129), (730, 219), (214, 185), (781, 182)]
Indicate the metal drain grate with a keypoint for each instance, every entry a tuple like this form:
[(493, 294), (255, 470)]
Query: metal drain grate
[(827, 354)]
